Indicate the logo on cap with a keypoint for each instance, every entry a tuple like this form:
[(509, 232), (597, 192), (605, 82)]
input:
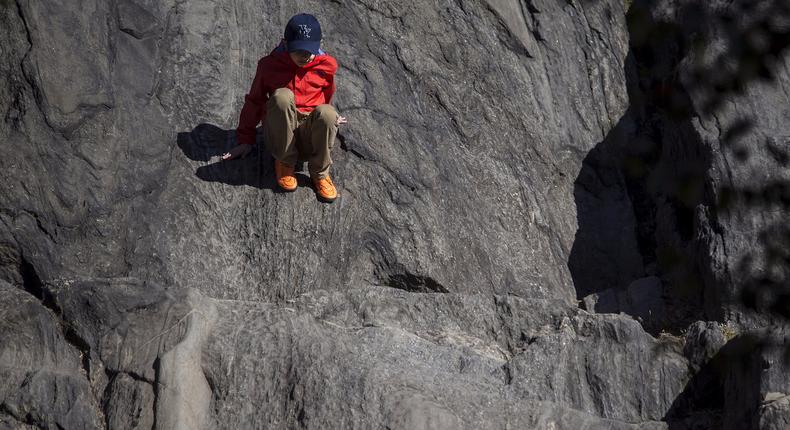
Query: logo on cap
[(305, 30)]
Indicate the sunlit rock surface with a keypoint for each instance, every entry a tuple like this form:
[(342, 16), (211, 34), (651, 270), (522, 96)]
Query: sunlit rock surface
[(146, 284)]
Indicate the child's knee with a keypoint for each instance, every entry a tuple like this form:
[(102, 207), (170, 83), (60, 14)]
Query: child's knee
[(283, 97), (327, 115)]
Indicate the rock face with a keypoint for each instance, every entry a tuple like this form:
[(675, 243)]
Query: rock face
[(463, 187), (704, 124), (44, 382), (146, 284)]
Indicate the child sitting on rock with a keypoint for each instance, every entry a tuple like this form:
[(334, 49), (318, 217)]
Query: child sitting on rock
[(290, 94)]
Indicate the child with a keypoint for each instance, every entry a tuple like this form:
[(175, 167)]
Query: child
[(291, 92)]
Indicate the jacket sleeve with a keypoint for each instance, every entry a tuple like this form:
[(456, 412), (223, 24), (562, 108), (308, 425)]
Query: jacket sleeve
[(254, 108), (329, 90)]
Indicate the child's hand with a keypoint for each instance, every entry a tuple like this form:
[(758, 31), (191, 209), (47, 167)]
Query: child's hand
[(341, 120), (239, 151)]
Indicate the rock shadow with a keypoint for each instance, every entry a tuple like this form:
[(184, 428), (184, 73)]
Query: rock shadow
[(605, 253), (725, 391), (637, 248), (613, 257), (206, 142)]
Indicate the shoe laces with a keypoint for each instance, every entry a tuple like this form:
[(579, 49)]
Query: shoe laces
[(325, 184)]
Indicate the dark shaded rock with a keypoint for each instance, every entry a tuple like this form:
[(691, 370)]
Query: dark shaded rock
[(126, 324), (693, 117), (138, 21), (735, 387), (701, 125), (646, 300), (757, 376), (57, 24), (606, 254), (128, 346), (703, 341), (43, 381), (129, 403), (643, 299)]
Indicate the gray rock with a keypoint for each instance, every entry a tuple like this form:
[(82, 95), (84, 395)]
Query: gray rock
[(129, 403), (775, 412), (703, 341), (51, 61), (43, 378), (605, 365), (397, 374), (677, 167), (434, 185), (146, 284), (183, 394), (398, 359)]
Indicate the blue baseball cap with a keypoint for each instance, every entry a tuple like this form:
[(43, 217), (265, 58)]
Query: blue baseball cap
[(303, 32)]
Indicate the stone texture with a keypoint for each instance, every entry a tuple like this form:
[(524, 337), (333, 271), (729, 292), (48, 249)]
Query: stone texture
[(685, 150), (146, 284), (361, 358), (404, 369), (605, 366), (703, 341), (775, 412), (419, 164), (44, 382)]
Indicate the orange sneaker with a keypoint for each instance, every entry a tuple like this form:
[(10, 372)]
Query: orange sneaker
[(325, 189), (285, 176)]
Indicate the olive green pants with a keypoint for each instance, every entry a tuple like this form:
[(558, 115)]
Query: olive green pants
[(293, 136)]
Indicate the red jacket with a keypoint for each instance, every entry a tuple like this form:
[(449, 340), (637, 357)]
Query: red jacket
[(312, 85)]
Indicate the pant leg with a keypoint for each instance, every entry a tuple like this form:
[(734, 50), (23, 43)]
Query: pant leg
[(281, 121), (321, 131), (302, 137)]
